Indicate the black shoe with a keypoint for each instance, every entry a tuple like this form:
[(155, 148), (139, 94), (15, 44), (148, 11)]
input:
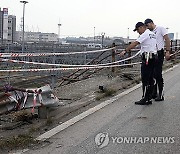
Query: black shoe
[(159, 98), (143, 102), (154, 96)]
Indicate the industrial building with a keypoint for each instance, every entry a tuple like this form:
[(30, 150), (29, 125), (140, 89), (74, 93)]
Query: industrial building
[(7, 27)]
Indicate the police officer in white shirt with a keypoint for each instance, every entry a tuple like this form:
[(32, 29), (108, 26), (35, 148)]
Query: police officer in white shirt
[(147, 41), (162, 40)]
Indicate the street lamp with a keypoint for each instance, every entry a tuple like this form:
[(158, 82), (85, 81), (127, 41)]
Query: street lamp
[(24, 3), (59, 25), (167, 28)]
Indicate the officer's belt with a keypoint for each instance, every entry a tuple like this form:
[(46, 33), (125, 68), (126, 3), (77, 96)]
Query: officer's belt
[(151, 55)]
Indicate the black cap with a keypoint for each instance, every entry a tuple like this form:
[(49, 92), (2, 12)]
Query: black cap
[(148, 21), (139, 24)]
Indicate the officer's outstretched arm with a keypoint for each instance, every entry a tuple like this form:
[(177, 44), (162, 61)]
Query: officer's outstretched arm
[(131, 46)]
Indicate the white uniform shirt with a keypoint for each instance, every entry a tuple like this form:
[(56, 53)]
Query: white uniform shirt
[(148, 42), (160, 32)]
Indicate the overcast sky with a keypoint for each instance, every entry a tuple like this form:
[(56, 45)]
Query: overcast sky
[(79, 17)]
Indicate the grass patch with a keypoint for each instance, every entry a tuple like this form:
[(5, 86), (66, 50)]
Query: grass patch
[(138, 80), (22, 115), (176, 61), (33, 129), (49, 121), (106, 93), (15, 142), (109, 92)]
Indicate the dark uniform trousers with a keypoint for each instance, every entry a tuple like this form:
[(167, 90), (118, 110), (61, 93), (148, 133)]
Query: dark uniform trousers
[(147, 74), (158, 74)]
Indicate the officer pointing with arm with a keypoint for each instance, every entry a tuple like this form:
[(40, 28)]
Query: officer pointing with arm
[(162, 40), (147, 41)]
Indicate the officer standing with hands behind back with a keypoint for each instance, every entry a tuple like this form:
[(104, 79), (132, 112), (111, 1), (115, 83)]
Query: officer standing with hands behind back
[(147, 41), (162, 39)]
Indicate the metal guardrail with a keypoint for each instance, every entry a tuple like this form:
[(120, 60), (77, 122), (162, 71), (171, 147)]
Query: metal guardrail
[(19, 99)]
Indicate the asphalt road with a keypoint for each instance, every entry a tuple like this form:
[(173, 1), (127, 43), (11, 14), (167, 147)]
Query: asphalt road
[(125, 128)]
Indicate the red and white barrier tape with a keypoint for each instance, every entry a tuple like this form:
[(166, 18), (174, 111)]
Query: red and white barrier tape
[(65, 65), (73, 67), (124, 49), (175, 47), (66, 69), (34, 101), (25, 100), (50, 54), (174, 53)]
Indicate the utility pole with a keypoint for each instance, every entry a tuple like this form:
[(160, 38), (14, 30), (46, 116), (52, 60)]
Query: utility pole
[(24, 3)]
